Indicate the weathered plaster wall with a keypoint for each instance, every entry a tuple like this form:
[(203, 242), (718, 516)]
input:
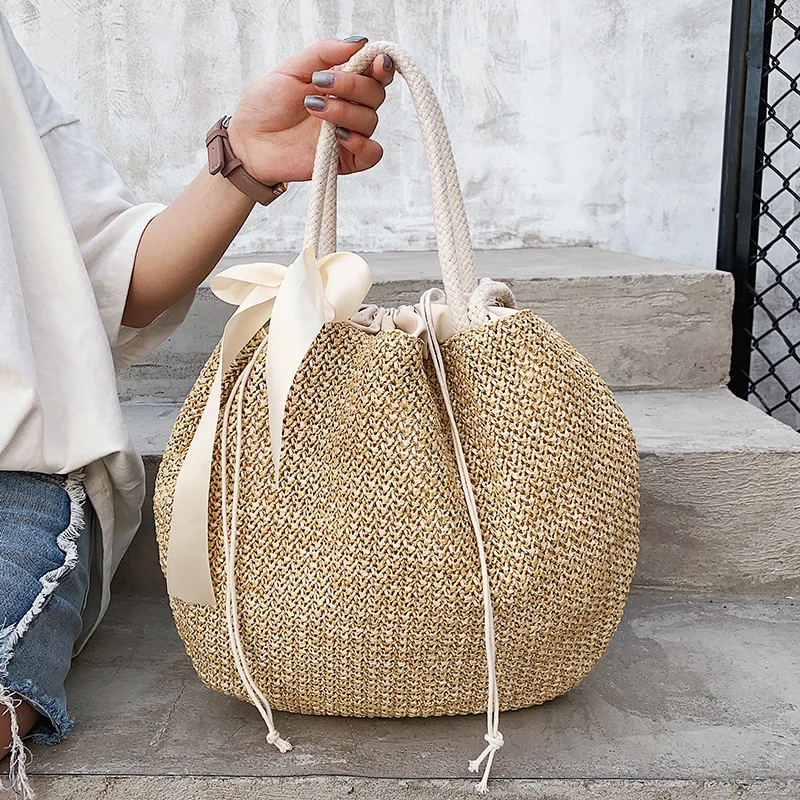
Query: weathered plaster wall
[(574, 121)]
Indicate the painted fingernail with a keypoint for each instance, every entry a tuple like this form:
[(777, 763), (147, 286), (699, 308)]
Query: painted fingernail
[(354, 39), (322, 79), (342, 133), (387, 62), (315, 102)]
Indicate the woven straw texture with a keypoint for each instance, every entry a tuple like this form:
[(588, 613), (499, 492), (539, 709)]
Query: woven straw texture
[(358, 579)]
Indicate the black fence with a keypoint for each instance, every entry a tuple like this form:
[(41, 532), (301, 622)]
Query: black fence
[(759, 236)]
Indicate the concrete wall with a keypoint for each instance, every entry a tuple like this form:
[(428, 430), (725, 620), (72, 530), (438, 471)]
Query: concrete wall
[(592, 122)]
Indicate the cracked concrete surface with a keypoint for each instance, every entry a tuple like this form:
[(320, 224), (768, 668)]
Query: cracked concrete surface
[(191, 788), (691, 689)]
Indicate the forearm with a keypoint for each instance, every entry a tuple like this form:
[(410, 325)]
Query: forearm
[(274, 131), (182, 244)]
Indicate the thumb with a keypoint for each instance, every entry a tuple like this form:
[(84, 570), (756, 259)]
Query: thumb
[(320, 56)]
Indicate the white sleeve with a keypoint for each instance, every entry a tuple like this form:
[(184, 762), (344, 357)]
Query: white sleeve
[(105, 217), (108, 224)]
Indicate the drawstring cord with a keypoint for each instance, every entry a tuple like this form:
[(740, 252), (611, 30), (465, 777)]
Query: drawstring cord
[(229, 537), (493, 737)]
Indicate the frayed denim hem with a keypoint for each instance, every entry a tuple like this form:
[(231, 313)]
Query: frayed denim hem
[(55, 724), (10, 636)]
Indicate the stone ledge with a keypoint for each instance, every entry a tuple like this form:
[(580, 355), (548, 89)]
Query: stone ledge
[(719, 504), (515, 264), (689, 421), (643, 324)]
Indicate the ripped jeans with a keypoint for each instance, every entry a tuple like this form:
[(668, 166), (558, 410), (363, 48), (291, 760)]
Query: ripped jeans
[(45, 550)]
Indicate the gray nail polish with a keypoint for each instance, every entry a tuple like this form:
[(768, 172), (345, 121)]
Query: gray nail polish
[(353, 39), (315, 103), (322, 79), (387, 62), (342, 133)]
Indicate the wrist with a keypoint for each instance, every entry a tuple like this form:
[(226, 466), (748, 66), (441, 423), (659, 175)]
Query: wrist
[(239, 147), (242, 145), (222, 193), (223, 160)]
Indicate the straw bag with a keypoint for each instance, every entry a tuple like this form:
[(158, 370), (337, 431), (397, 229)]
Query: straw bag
[(394, 512)]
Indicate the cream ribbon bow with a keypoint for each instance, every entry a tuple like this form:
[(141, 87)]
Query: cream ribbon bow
[(297, 301)]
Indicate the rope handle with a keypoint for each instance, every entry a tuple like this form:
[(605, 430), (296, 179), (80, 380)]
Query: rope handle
[(456, 257)]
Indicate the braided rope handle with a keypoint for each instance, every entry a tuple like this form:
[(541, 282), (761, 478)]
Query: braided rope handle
[(456, 257)]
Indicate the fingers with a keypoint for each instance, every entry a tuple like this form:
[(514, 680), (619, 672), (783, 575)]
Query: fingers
[(381, 69), (348, 100), (350, 86), (342, 113), (320, 56), (366, 152)]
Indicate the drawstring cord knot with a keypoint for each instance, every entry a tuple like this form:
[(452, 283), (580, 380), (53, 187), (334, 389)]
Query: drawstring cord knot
[(273, 737), (495, 742)]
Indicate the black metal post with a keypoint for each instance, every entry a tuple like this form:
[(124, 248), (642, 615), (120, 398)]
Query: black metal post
[(741, 173)]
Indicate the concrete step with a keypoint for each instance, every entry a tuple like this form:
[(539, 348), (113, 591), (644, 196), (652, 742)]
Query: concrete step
[(720, 511), (695, 699), (175, 787), (643, 324)]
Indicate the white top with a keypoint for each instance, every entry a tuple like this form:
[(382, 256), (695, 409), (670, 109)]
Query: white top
[(69, 229)]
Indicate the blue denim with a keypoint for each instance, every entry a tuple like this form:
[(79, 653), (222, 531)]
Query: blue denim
[(45, 550)]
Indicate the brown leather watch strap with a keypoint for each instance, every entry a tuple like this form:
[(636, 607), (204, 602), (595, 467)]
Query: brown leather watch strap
[(221, 159)]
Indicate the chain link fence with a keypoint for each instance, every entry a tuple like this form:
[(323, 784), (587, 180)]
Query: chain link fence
[(760, 205)]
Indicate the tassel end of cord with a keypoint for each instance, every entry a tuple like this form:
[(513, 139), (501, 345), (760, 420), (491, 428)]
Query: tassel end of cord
[(19, 754), (495, 742), (274, 738)]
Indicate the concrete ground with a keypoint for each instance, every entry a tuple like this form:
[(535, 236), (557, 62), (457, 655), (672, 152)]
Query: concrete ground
[(697, 697), (182, 788)]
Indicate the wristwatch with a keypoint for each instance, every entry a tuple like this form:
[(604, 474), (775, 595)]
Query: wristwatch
[(222, 159)]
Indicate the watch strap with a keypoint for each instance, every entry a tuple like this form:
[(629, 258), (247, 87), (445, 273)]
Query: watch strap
[(221, 160)]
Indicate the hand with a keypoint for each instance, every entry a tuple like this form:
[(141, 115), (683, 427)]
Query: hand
[(275, 127)]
